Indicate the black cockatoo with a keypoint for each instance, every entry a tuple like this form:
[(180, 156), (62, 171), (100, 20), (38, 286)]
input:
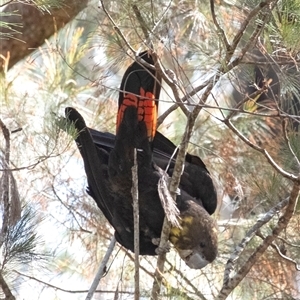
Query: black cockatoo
[(108, 160)]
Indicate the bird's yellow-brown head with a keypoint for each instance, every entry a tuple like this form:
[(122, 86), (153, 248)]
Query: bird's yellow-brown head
[(196, 239)]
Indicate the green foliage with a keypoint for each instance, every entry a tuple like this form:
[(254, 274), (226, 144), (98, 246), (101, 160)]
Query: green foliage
[(8, 30), (22, 241), (47, 5), (289, 23), (60, 63), (69, 127), (67, 71)]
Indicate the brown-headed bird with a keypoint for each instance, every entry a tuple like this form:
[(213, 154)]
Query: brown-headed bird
[(108, 160)]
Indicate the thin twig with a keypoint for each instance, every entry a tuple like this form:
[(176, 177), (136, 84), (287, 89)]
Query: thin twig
[(254, 95), (162, 117), (31, 166), (221, 32), (276, 247), (170, 82), (135, 199), (289, 243), (183, 99), (253, 38), (149, 33), (4, 184), (70, 210), (141, 21), (158, 275), (270, 159), (288, 142), (162, 16), (297, 266), (6, 3), (101, 270), (65, 290), (116, 28), (246, 22), (186, 281), (234, 110)]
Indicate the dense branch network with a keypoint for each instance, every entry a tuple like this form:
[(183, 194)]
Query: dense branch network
[(232, 58), (231, 49)]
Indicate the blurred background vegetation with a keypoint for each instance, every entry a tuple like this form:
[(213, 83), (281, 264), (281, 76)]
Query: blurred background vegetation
[(57, 53)]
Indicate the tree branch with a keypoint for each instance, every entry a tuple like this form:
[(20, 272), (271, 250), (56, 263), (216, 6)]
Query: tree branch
[(193, 92), (4, 184), (135, 199), (220, 30), (186, 281), (174, 183), (248, 237), (284, 173), (117, 29), (24, 41), (65, 290), (246, 22), (288, 142), (171, 82), (274, 246), (5, 288), (101, 270), (232, 282)]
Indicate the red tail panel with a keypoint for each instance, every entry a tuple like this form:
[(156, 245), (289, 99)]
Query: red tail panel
[(140, 88)]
